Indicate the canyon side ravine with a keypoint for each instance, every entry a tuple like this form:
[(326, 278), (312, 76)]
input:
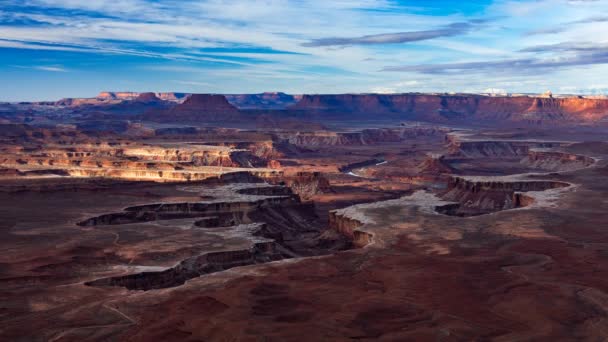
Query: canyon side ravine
[(271, 217)]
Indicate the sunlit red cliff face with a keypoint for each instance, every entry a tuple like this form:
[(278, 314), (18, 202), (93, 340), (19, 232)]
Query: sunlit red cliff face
[(451, 108), (279, 110)]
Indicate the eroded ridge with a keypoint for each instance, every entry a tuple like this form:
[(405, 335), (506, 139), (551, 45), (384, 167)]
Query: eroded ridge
[(272, 217), (35, 153), (469, 155), (483, 195)]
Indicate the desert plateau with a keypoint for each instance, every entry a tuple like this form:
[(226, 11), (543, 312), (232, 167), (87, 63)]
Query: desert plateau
[(408, 177)]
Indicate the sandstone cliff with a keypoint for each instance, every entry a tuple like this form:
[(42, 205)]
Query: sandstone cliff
[(450, 108)]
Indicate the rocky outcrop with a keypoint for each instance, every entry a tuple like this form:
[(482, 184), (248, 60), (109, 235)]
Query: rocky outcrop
[(198, 108), (147, 97), (458, 108), (349, 227), (364, 137), (264, 196), (556, 161), (306, 184), (272, 217), (479, 195), (162, 162), (532, 154), (495, 148), (436, 165), (194, 267)]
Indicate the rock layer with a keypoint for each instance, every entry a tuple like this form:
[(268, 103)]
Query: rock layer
[(479, 195), (446, 108)]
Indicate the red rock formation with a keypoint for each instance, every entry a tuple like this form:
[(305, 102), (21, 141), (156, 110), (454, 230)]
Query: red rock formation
[(307, 184), (147, 97), (556, 161), (481, 196), (436, 165), (198, 108), (364, 137), (494, 149), (443, 108), (349, 228)]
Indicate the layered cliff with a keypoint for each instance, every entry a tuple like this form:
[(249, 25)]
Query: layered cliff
[(364, 137), (556, 161), (446, 108), (478, 195)]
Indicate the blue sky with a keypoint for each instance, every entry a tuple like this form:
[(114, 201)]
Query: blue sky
[(72, 48)]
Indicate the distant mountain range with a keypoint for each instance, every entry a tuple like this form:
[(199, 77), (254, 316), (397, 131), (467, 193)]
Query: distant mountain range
[(467, 109)]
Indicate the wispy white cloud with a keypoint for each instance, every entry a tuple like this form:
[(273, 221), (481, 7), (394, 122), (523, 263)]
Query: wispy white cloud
[(192, 34), (52, 68)]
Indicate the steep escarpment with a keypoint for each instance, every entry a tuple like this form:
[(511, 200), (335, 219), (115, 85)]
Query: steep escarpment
[(306, 184), (494, 148), (197, 108), (556, 161), (447, 108), (349, 227), (364, 137), (33, 152), (479, 195), (533, 155), (436, 165), (278, 225), (194, 267), (164, 211)]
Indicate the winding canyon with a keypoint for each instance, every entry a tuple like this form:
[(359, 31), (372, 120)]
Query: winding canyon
[(173, 216)]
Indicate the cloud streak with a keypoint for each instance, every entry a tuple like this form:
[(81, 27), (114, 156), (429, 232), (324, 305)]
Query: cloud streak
[(511, 66), (454, 29), (565, 26), (51, 68)]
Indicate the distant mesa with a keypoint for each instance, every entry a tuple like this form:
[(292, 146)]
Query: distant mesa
[(476, 109), (198, 108), (207, 102), (147, 97), (464, 108)]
